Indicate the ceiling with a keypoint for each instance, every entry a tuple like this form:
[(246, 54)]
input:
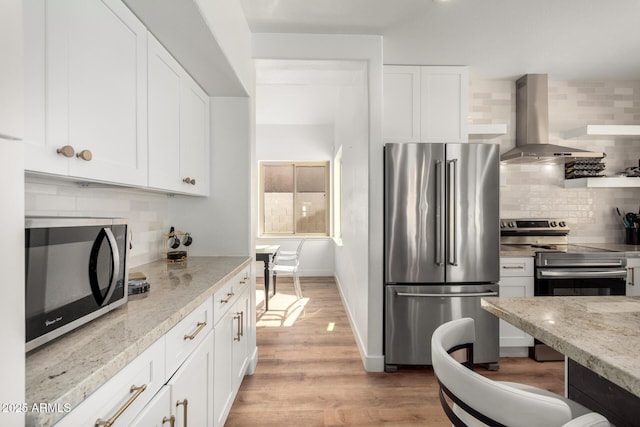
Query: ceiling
[(567, 39)]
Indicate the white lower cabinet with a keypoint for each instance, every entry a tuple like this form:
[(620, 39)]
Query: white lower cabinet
[(157, 412), (516, 280), (231, 351), (633, 277), (189, 377), (187, 397), (121, 398)]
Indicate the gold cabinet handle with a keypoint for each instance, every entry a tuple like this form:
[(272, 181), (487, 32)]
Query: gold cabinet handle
[(238, 317), (66, 151), (171, 420), (85, 155), (242, 323), (137, 391), (228, 298), (200, 325), (188, 180), (184, 404)]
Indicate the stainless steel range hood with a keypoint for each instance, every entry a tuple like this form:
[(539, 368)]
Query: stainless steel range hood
[(532, 127)]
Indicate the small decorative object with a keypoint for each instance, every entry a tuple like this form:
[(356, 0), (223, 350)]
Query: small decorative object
[(176, 243)]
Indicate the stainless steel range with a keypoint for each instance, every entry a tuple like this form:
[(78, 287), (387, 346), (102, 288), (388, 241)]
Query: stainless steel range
[(562, 269)]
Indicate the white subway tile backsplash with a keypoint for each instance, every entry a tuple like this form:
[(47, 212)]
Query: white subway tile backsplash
[(146, 212), (538, 191)]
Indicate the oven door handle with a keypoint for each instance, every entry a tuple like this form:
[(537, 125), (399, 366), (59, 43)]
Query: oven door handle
[(573, 274), (460, 294)]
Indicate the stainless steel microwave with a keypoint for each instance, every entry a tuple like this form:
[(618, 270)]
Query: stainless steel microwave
[(76, 271)]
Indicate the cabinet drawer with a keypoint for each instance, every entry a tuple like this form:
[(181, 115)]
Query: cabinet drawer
[(146, 370), (516, 266), (183, 338), (226, 296)]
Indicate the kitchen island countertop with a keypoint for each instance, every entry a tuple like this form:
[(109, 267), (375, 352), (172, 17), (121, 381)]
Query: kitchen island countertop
[(601, 333), (70, 368)]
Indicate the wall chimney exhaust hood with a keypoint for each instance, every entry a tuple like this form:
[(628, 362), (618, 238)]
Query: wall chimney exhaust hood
[(532, 127)]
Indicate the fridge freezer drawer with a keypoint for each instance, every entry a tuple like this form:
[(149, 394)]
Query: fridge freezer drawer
[(412, 313)]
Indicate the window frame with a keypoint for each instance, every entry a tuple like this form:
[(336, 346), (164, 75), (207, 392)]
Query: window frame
[(328, 194)]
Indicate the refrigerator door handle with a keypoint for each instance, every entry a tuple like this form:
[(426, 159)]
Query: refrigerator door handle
[(440, 212), (452, 166), (460, 294)]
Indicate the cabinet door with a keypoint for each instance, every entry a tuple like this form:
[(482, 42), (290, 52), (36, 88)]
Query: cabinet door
[(224, 332), (178, 126), (194, 138), (240, 339), (192, 387), (511, 336), (157, 412), (633, 277), (444, 104), (40, 155), (11, 73), (95, 88), (401, 101), (164, 118)]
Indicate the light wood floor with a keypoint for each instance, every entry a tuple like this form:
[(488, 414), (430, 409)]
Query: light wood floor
[(309, 375)]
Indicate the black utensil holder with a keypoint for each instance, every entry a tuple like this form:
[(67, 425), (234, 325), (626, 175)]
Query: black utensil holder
[(632, 236)]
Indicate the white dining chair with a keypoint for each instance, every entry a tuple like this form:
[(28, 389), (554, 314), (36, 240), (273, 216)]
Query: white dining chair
[(474, 400), (286, 263)]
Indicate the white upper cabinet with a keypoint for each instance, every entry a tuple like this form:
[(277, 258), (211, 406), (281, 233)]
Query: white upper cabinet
[(401, 104), (90, 115), (11, 43), (425, 103), (178, 126)]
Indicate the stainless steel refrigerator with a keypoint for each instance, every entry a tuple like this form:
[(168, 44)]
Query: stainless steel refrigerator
[(442, 246)]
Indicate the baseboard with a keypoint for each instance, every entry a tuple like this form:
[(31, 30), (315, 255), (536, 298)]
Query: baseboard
[(514, 351), (253, 362), (370, 363)]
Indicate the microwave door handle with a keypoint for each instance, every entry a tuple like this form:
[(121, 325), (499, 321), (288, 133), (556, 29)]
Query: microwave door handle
[(115, 266)]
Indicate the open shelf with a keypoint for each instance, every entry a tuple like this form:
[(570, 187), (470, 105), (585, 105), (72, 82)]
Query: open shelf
[(602, 182), (603, 130)]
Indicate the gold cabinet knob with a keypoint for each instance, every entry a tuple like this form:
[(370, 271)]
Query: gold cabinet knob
[(66, 151), (188, 180), (85, 155)]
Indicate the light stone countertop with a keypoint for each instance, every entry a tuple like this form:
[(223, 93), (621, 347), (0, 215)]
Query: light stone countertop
[(70, 368), (601, 333)]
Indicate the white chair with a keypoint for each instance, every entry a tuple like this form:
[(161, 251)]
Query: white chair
[(479, 401), (286, 263)]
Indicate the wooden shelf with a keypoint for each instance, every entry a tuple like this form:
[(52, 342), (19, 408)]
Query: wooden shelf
[(490, 130), (604, 182), (603, 130)]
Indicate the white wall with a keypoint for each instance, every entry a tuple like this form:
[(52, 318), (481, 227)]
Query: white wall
[(12, 368), (360, 278), (220, 223)]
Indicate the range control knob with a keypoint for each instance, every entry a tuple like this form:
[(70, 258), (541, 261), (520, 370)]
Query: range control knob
[(553, 223), (562, 224), (502, 224), (512, 224)]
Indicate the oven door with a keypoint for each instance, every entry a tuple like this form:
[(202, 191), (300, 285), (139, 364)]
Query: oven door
[(73, 274), (583, 281)]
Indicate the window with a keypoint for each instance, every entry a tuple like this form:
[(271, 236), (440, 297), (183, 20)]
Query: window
[(295, 198)]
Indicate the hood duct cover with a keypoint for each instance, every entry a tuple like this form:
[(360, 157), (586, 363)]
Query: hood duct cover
[(532, 127)]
